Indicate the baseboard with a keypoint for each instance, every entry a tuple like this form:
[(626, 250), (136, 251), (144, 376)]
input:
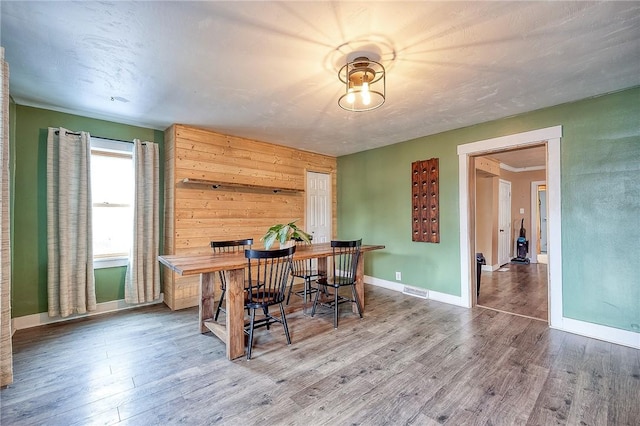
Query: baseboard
[(600, 332), (418, 292), (35, 320), (490, 268), (582, 328)]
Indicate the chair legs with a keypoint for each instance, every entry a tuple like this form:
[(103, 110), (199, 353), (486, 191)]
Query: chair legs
[(306, 291), (284, 324), (336, 306), (251, 328), (219, 308), (290, 288), (336, 302), (266, 322), (315, 300)]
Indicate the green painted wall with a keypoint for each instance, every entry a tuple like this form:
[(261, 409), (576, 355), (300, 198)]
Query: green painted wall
[(29, 216), (600, 181)]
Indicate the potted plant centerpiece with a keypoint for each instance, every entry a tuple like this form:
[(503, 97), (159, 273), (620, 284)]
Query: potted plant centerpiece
[(285, 232)]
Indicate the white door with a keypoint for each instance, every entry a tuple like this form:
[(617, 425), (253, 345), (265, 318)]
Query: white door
[(318, 217), (542, 197), (504, 222)]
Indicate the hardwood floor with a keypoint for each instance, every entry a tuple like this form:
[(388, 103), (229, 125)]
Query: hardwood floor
[(409, 361), (521, 289)]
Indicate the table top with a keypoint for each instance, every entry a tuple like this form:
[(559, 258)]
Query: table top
[(193, 264)]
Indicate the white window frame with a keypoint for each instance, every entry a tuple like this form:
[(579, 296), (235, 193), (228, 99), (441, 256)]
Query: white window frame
[(117, 147)]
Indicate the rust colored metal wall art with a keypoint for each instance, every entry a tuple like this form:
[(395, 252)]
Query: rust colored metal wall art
[(424, 197)]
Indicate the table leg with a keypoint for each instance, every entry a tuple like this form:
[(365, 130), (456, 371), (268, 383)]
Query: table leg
[(235, 313), (322, 265), (359, 283), (207, 305)]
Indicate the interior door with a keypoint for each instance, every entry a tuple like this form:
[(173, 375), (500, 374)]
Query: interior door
[(318, 219), (504, 222), (542, 202)]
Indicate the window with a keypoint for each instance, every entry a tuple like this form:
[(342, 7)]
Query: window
[(112, 186)]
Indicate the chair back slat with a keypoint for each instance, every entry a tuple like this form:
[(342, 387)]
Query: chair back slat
[(345, 259), (268, 275), (230, 246), (302, 267)]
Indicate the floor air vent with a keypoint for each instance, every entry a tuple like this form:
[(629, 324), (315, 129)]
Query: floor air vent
[(411, 291)]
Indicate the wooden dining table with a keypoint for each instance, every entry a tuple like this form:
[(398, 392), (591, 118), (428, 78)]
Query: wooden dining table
[(233, 264)]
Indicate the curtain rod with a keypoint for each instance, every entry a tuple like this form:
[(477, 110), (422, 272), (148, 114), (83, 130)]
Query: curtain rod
[(100, 137)]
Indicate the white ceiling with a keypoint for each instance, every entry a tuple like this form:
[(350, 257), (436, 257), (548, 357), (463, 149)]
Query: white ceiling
[(268, 70), (523, 158)]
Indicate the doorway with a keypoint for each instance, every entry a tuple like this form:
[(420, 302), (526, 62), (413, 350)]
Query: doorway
[(551, 137), (511, 283)]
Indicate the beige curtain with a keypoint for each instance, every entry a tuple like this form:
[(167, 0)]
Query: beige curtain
[(6, 357), (143, 274), (70, 279)]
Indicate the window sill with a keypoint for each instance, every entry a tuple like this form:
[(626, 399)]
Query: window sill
[(110, 262)]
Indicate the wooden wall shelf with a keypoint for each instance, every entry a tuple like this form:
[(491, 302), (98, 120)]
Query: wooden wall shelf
[(219, 184)]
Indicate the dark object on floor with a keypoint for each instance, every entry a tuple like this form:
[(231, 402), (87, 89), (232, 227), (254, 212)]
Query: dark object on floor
[(522, 246), (480, 260)]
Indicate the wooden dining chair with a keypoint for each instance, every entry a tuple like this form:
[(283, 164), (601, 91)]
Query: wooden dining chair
[(268, 277), (345, 265), (230, 246)]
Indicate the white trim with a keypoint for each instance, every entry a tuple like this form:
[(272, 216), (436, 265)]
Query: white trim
[(110, 262), (378, 282), (534, 219), (511, 141), (550, 135), (431, 295), (601, 332), (520, 169), (43, 318), (510, 231), (465, 261), (446, 298), (554, 231)]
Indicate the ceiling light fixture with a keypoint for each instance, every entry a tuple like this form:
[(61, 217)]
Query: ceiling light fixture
[(365, 85)]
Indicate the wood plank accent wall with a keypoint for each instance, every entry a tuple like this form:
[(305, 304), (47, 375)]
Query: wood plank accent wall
[(196, 214)]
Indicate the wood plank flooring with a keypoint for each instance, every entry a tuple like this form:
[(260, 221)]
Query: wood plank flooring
[(408, 361), (522, 290)]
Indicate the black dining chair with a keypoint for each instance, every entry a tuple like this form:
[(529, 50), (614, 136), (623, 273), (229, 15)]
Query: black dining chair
[(345, 264), (230, 246), (303, 268), (268, 277)]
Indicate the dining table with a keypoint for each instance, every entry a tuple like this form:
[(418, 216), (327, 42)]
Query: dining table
[(231, 332)]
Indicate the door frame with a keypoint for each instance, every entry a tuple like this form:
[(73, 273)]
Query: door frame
[(509, 230), (551, 137), (535, 218)]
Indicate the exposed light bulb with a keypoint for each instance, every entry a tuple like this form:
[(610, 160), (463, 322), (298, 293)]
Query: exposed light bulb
[(351, 97), (366, 98), (365, 87)]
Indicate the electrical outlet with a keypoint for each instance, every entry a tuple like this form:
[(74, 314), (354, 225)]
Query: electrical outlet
[(398, 276)]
